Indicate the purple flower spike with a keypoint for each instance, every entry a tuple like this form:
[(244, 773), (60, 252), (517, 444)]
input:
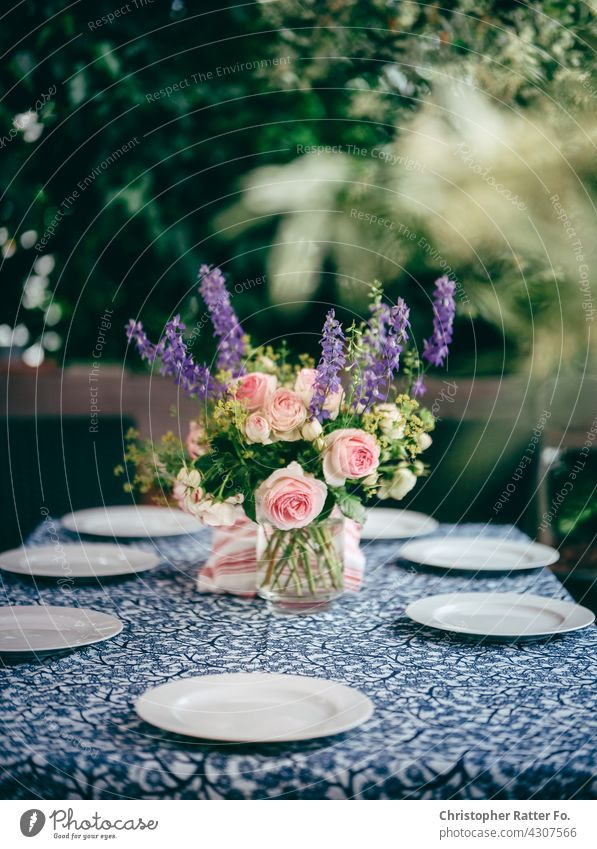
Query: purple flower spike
[(175, 360), (419, 388), (136, 334), (395, 340), (444, 307), (231, 347), (368, 369), (383, 341), (333, 359)]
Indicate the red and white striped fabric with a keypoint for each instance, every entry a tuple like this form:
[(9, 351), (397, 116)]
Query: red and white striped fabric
[(232, 564)]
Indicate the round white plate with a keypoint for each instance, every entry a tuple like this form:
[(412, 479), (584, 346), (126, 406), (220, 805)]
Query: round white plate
[(254, 707), (78, 560), (131, 521), (479, 554), (38, 629), (390, 523), (500, 616)]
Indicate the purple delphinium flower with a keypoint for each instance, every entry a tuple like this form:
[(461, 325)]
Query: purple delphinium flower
[(333, 359), (396, 337), (367, 368), (383, 342), (136, 334), (418, 388), (231, 347), (444, 306), (175, 360)]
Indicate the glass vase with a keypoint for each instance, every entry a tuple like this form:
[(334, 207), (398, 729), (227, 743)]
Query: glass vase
[(301, 570)]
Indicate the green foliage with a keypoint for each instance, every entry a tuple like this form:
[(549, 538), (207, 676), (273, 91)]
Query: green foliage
[(157, 117), (350, 505), (152, 468), (572, 495)]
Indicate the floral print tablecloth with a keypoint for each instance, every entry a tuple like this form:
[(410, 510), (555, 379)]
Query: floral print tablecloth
[(453, 719)]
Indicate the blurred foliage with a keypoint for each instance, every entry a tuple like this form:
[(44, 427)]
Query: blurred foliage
[(217, 106), (572, 496)]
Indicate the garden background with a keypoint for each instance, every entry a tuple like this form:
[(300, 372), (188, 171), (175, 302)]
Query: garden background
[(307, 148)]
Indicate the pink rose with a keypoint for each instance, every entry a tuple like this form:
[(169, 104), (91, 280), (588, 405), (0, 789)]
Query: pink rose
[(255, 389), (303, 387), (196, 441), (289, 498), (349, 453), (257, 429), (286, 413)]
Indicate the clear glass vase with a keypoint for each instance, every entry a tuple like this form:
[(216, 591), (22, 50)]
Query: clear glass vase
[(301, 570)]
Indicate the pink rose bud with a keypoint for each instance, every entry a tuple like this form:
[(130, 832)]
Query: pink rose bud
[(257, 429), (289, 498), (287, 414), (349, 453), (255, 389)]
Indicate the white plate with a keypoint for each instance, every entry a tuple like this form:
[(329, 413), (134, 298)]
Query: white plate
[(39, 629), (133, 521), (78, 560), (500, 616), (254, 707), (479, 554), (390, 523)]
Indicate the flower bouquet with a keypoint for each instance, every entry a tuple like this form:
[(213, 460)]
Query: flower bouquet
[(293, 445)]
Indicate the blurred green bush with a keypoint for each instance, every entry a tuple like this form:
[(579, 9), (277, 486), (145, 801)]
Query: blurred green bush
[(136, 139)]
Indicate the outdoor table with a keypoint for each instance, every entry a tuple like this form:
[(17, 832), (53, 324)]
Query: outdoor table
[(453, 718)]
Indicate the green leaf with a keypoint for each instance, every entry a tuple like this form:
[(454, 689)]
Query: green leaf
[(350, 505), (249, 508)]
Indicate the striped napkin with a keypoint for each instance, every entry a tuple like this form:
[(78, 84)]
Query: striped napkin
[(232, 564)]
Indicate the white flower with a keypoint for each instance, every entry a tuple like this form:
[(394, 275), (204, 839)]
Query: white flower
[(391, 421), (212, 512), (28, 124), (186, 490), (311, 430), (371, 480), (189, 477), (266, 364), (216, 513), (424, 441), (24, 120), (400, 485), (236, 499)]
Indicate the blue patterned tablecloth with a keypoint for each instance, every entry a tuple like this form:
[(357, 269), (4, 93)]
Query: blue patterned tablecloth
[(452, 719)]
